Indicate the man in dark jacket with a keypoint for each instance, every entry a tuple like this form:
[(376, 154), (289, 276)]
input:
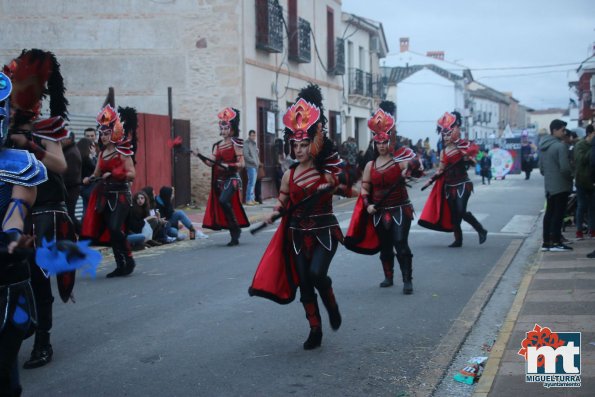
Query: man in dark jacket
[(585, 192), (72, 176), (554, 165), (592, 254), (252, 162)]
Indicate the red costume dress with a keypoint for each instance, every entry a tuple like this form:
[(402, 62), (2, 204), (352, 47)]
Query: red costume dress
[(303, 246), (389, 226), (446, 206), (104, 200), (224, 206), (311, 227)]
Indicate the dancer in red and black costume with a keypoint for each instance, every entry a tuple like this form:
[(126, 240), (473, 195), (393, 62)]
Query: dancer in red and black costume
[(301, 251), (224, 206), (453, 186), (36, 74), (110, 201), (383, 213)]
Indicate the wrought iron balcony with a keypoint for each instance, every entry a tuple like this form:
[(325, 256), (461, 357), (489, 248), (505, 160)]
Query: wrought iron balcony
[(339, 68), (360, 83), (300, 50), (366, 84), (269, 26)]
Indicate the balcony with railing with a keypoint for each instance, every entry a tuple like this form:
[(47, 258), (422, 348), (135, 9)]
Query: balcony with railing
[(299, 43), (339, 66), (269, 26), (365, 84)]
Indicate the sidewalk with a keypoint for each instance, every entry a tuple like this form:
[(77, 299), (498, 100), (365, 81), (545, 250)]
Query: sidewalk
[(557, 292)]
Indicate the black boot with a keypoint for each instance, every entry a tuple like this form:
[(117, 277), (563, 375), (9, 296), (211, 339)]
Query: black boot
[(406, 265), (119, 257), (313, 315), (232, 222), (314, 339), (329, 301), (458, 239), (388, 266), (129, 265), (482, 233), (42, 351), (235, 236)]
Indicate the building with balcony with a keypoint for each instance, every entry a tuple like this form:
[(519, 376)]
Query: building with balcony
[(363, 44), (254, 55), (489, 111), (585, 90)]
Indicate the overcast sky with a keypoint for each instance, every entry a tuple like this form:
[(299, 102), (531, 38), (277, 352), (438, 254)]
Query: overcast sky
[(496, 34)]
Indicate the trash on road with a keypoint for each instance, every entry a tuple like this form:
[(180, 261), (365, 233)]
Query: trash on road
[(472, 370), (487, 347)]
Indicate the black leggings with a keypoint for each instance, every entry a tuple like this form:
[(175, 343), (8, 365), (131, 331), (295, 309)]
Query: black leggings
[(458, 210), (228, 189), (313, 272), (396, 236), (114, 221)]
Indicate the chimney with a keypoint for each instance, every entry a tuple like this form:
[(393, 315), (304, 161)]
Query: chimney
[(404, 44), (436, 55)]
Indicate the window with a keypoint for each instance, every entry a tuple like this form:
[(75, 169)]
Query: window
[(292, 21), (269, 26), (330, 39)]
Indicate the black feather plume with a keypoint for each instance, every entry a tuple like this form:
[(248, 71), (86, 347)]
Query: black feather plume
[(389, 107), (110, 99), (129, 119)]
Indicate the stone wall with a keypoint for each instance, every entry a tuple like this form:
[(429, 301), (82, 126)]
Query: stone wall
[(140, 48)]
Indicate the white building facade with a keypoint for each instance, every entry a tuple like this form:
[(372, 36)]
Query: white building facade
[(212, 54), (365, 44), (423, 88)]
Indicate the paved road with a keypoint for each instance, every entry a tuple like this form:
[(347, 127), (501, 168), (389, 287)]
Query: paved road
[(184, 325)]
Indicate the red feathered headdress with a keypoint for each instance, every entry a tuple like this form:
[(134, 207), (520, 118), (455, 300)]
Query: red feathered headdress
[(109, 121), (35, 74), (446, 123), (380, 124)]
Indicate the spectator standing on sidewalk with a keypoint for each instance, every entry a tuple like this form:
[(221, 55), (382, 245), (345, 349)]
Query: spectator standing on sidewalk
[(252, 162), (592, 254), (554, 165), (585, 192)]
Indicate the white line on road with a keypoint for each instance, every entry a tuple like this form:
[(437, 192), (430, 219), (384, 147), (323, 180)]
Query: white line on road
[(521, 224)]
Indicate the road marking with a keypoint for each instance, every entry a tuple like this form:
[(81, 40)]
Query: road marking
[(518, 226), (521, 224)]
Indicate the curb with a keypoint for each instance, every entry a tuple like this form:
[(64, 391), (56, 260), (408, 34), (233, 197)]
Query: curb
[(491, 370), (428, 380)]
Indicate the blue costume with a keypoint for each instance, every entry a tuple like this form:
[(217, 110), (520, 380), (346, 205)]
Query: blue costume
[(17, 307)]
